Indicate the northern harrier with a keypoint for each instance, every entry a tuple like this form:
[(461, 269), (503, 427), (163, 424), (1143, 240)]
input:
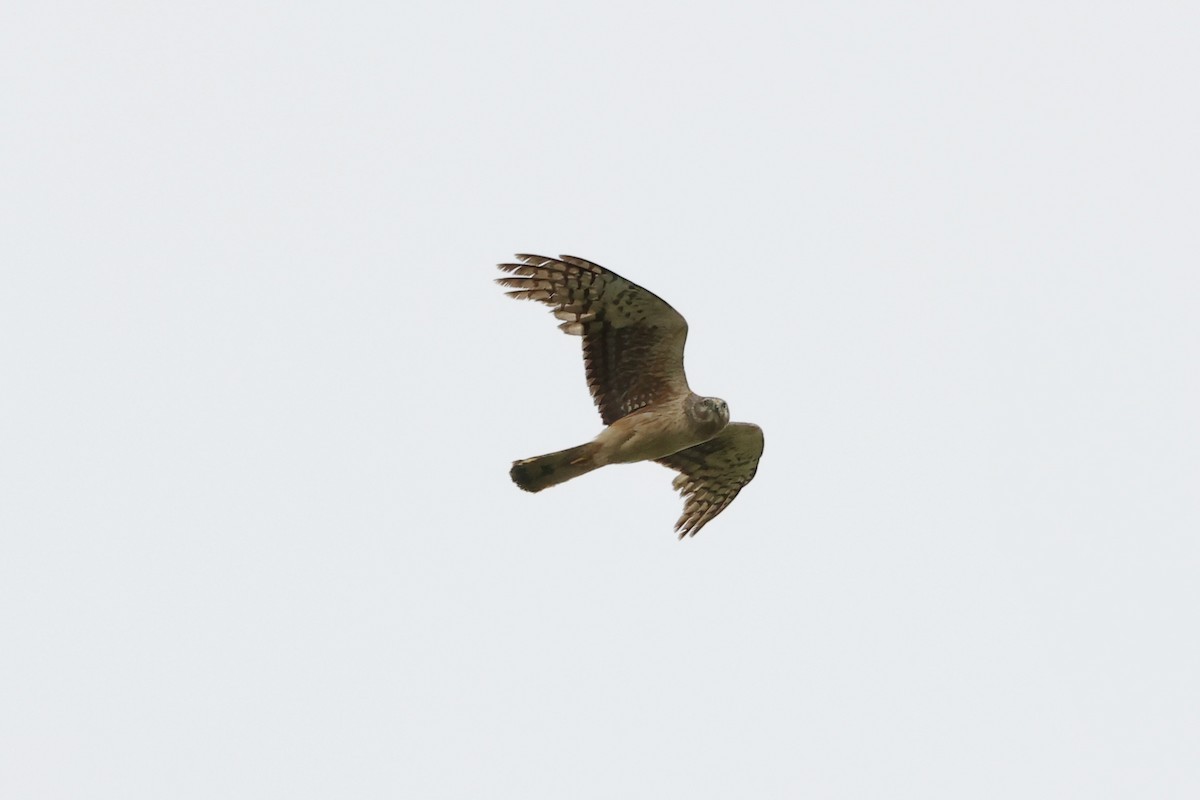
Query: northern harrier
[(633, 350)]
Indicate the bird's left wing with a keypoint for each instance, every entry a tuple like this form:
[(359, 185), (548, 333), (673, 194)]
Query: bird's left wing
[(713, 472)]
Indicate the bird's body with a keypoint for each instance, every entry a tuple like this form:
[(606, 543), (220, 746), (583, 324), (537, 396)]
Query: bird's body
[(657, 431), (633, 350), (647, 434)]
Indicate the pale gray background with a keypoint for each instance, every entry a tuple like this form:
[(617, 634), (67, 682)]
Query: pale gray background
[(260, 397)]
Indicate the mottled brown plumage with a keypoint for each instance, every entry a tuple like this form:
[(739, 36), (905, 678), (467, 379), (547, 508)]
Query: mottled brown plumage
[(712, 473), (633, 353), (623, 326)]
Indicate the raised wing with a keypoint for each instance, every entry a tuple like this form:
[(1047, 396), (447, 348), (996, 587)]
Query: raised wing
[(632, 340), (713, 472)]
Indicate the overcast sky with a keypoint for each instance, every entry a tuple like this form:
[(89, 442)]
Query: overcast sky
[(260, 396)]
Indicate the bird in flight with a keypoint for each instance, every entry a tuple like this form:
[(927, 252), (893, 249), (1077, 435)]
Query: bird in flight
[(633, 354)]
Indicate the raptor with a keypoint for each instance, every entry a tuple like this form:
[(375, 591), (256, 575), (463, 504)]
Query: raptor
[(633, 353)]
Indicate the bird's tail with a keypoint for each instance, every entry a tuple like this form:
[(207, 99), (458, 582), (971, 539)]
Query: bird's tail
[(535, 474)]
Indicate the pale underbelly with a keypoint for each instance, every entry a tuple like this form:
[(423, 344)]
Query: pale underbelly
[(646, 437)]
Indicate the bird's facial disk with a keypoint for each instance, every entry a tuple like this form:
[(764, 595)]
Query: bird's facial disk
[(717, 408)]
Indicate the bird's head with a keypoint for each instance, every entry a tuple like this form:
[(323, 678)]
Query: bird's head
[(712, 414)]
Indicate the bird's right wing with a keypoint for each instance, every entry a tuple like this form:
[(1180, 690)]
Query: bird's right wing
[(632, 339)]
